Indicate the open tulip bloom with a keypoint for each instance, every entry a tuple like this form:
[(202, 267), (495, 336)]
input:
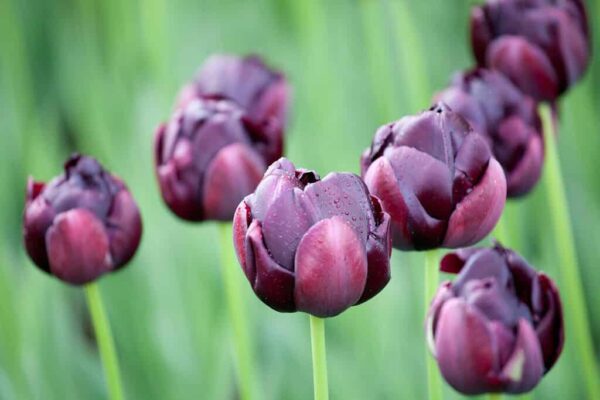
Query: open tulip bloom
[(498, 326), (436, 178), (312, 245), (81, 225), (543, 46)]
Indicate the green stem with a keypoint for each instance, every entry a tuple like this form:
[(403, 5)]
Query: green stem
[(431, 286), (106, 344), (494, 396), (237, 315), (319, 357), (573, 298)]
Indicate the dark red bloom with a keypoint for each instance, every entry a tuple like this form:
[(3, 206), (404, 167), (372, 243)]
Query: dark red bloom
[(498, 327), (260, 91), (543, 46), (207, 159), (507, 117), (82, 224), (312, 245), (436, 178)]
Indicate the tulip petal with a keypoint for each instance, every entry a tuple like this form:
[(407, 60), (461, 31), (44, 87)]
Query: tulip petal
[(464, 348), (525, 367), (525, 64), (527, 172), (234, 173), (331, 268), (241, 221), (37, 218), (381, 181), (550, 328), (443, 294), (480, 34), (78, 247), (379, 250), (479, 211), (124, 228), (272, 283)]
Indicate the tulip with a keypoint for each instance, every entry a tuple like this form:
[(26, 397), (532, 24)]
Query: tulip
[(498, 327), (436, 178), (543, 46), (261, 92), (312, 245), (509, 120), (208, 158), (82, 224)]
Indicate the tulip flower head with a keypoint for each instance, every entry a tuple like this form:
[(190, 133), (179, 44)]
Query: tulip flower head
[(436, 178), (498, 326), (207, 159), (312, 245), (82, 224), (543, 46), (507, 118)]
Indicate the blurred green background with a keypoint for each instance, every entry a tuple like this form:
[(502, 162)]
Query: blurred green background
[(97, 76)]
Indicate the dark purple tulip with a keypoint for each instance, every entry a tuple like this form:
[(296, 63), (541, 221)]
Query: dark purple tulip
[(508, 119), (208, 158), (312, 245), (437, 180), (82, 224), (543, 46), (260, 91), (498, 327)]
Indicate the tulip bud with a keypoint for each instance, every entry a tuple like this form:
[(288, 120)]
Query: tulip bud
[(82, 224), (509, 120), (312, 245), (543, 46), (261, 92), (498, 327), (437, 180), (208, 158)]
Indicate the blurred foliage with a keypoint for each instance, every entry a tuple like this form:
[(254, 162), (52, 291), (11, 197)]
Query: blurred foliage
[(98, 76)]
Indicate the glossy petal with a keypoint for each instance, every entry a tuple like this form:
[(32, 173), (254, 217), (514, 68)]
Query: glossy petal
[(273, 284), (379, 251), (525, 367), (331, 268), (479, 211), (78, 247), (241, 221), (550, 329), (233, 173), (464, 348), (37, 218)]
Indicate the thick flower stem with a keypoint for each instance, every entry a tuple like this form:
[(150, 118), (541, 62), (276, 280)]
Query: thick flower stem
[(319, 358), (106, 345), (575, 308), (434, 383), (237, 315)]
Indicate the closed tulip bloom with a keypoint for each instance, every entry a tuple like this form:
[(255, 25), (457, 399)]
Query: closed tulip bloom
[(436, 178), (208, 158), (263, 93), (543, 46), (312, 245), (82, 224), (507, 117), (498, 327)]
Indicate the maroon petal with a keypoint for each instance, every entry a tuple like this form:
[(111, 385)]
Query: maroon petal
[(124, 226), (241, 222), (525, 367), (273, 284), (78, 247), (331, 268), (480, 34), (382, 183), (234, 173), (443, 294), (464, 348), (526, 65), (379, 250), (521, 179), (479, 211), (550, 329), (37, 218)]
